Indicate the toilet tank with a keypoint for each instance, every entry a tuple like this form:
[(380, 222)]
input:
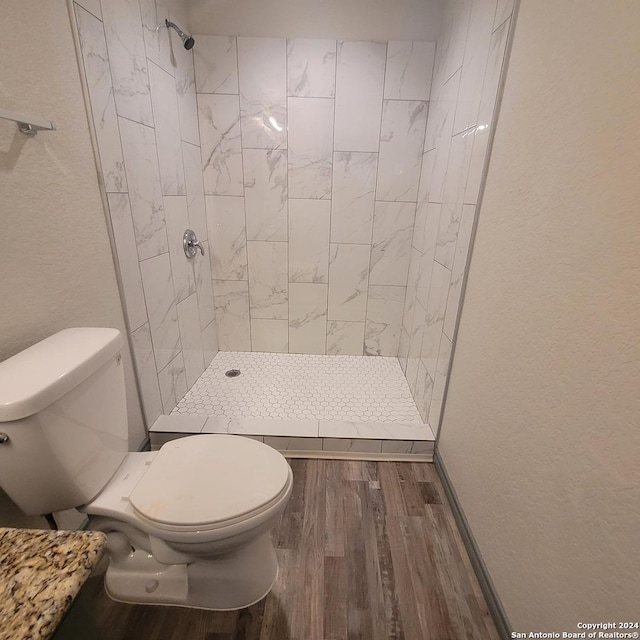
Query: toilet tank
[(63, 410)]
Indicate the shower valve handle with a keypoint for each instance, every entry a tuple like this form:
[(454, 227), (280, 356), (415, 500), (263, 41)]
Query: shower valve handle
[(191, 244)]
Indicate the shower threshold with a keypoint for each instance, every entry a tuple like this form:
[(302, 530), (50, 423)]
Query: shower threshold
[(304, 405)]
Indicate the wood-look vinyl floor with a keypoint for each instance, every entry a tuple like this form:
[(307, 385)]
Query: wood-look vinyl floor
[(367, 551)]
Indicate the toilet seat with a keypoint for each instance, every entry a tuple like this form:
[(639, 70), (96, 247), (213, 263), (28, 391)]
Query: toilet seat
[(206, 482)]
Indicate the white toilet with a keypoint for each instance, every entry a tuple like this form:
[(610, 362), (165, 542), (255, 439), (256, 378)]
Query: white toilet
[(187, 525)]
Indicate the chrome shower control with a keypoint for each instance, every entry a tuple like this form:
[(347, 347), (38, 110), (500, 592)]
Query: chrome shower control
[(191, 244), (4, 438)]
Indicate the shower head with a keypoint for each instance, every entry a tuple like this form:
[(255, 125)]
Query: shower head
[(187, 40)]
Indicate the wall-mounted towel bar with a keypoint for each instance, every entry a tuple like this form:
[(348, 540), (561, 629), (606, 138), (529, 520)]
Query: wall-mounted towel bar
[(28, 124)]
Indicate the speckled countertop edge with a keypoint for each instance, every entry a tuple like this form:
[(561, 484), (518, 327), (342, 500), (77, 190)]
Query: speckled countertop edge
[(41, 573)]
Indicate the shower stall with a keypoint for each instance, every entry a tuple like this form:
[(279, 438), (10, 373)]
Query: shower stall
[(332, 184)]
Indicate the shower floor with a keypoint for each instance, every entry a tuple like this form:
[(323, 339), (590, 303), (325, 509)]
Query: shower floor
[(305, 403), (302, 387)]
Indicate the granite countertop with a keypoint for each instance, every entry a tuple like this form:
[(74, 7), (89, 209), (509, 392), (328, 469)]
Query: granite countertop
[(41, 573)]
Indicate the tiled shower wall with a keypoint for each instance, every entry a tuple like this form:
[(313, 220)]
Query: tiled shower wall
[(143, 105), (311, 153), (469, 60)]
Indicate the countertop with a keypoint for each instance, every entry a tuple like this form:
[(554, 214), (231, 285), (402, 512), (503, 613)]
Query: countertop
[(41, 573)]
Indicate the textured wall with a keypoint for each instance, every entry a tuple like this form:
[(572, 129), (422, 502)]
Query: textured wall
[(352, 20), (143, 104), (470, 55), (55, 259), (541, 429), (311, 155)]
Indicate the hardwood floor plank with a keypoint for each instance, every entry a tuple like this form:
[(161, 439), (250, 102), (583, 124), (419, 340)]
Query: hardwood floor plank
[(402, 568), (391, 627), (392, 489), (307, 615), (335, 598), (366, 550), (334, 523), (287, 535)]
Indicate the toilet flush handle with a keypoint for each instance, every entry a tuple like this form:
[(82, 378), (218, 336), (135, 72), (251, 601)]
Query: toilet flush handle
[(4, 438)]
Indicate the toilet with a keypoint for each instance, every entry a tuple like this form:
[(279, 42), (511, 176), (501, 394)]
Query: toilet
[(187, 525)]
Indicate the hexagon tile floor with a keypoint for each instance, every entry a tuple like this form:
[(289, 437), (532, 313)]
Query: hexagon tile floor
[(300, 386), (329, 406)]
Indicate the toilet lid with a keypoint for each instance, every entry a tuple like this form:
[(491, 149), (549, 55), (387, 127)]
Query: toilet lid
[(208, 479)]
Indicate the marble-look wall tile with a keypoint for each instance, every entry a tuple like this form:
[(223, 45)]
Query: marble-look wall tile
[(216, 64), (474, 64), (309, 240), (186, 92), (426, 174), (310, 147), (147, 374), (232, 315), (227, 234), (195, 190), (157, 41), (165, 114), (423, 391), (453, 196), (401, 144), (345, 338), (452, 39), (284, 443), (263, 92), (490, 87), (307, 318), (219, 118), (415, 345), (384, 320), (270, 335), (353, 196), (458, 270), (92, 6), (191, 339), (412, 289), (184, 279), (409, 69), (204, 289), (440, 381), (209, 343), (311, 68), (265, 193), (503, 11), (352, 445), (173, 384), (103, 108), (127, 57), (436, 308), (440, 139), (127, 257), (348, 281), (268, 280), (428, 252), (403, 350), (163, 316), (145, 193), (359, 89), (391, 249)]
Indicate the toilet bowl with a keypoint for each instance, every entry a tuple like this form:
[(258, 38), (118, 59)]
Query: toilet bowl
[(187, 525)]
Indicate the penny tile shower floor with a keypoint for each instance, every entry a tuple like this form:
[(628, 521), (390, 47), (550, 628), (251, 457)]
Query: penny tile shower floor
[(300, 386)]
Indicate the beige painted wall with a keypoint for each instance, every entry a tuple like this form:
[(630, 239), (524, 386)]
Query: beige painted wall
[(55, 259), (342, 19), (541, 432)]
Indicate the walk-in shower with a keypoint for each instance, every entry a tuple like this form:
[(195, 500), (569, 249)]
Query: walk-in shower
[(333, 185)]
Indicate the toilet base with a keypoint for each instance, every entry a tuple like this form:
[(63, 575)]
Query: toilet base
[(232, 580)]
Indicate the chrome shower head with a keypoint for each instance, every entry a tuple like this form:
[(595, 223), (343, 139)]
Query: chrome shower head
[(187, 40)]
